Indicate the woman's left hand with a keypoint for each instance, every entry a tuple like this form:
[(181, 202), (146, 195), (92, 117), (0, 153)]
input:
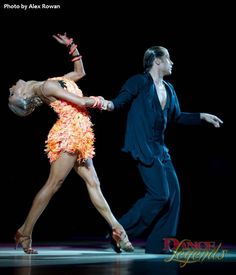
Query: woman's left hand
[(63, 39)]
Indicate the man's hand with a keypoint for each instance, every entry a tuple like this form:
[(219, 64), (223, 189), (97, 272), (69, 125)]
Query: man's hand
[(211, 119), (107, 105)]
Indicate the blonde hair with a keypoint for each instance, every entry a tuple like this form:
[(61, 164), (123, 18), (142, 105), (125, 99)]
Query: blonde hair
[(23, 107)]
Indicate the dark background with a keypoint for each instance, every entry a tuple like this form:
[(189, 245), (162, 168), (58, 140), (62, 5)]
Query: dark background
[(112, 39)]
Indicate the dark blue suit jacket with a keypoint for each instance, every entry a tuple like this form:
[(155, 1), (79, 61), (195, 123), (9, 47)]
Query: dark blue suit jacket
[(146, 121)]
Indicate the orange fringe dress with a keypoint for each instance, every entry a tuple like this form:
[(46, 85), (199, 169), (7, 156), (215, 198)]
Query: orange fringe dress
[(73, 131)]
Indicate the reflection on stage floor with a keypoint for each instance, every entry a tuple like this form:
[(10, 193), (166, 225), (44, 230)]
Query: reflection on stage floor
[(96, 257)]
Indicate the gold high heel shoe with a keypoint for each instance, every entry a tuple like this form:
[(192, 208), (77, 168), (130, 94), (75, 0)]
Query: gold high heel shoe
[(122, 240), (20, 239)]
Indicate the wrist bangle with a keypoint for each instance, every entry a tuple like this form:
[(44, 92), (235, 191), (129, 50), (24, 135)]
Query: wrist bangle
[(72, 49), (69, 42), (95, 98), (97, 103), (75, 58)]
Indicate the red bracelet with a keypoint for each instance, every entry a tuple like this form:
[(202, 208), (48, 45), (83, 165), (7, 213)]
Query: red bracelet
[(72, 49), (78, 57), (97, 103), (69, 42), (95, 98)]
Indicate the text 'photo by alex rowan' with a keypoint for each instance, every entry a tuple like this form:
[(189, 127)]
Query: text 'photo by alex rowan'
[(30, 6)]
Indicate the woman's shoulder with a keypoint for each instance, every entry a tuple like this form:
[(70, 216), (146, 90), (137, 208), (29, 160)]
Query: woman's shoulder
[(50, 86)]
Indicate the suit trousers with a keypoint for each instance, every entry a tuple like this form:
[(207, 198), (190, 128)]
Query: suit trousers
[(157, 213)]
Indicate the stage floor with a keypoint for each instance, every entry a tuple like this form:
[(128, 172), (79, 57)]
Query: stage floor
[(96, 257)]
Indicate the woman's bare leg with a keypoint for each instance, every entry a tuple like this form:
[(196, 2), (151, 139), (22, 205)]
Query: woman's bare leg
[(58, 172), (89, 175)]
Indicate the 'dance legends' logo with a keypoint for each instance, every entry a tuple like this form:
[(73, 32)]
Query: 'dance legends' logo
[(187, 251)]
